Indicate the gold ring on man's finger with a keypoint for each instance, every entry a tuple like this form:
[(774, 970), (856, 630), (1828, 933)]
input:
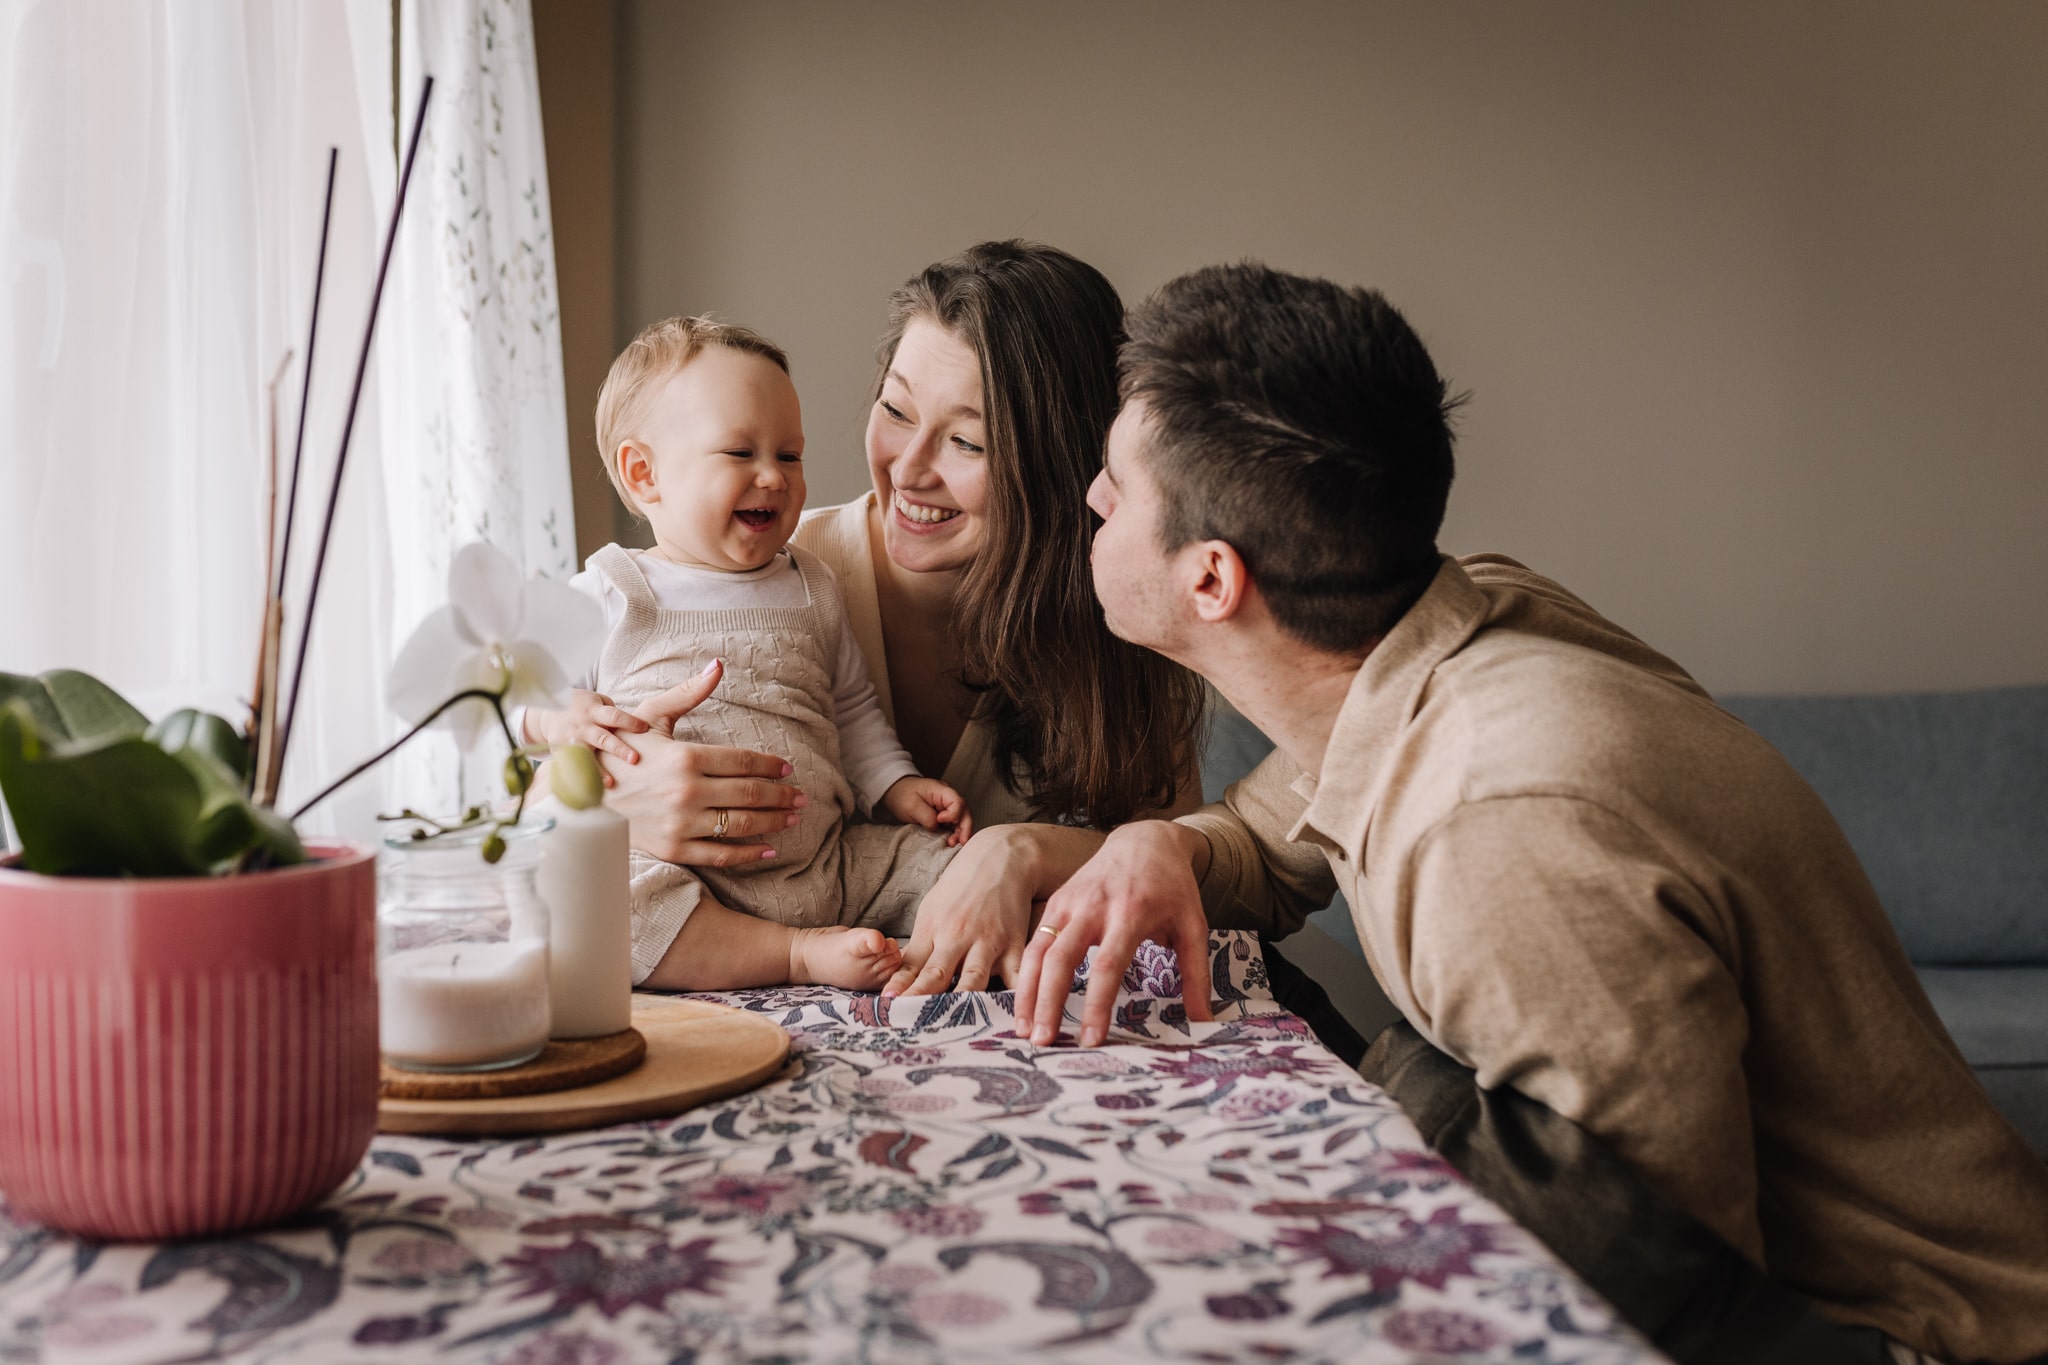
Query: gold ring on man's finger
[(718, 830), (1048, 929)]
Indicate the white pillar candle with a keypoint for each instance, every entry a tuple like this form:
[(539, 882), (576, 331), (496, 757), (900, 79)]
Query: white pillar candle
[(584, 879), (464, 1004)]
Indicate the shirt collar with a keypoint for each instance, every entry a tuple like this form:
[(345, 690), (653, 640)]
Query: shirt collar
[(1381, 701)]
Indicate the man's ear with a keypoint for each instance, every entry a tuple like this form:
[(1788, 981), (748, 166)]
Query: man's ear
[(1219, 583), (635, 464)]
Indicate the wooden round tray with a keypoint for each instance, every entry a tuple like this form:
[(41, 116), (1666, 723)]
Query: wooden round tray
[(564, 1064), (695, 1052)]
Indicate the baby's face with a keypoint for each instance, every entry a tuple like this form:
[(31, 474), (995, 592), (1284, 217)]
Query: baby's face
[(724, 480)]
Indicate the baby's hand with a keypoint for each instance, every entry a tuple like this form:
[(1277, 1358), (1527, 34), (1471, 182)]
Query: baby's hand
[(928, 802), (589, 718)]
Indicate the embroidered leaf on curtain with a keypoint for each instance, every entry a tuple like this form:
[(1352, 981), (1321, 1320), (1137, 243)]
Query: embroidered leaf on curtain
[(474, 384)]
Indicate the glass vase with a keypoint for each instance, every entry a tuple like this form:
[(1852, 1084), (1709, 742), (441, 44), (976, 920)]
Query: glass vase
[(462, 951)]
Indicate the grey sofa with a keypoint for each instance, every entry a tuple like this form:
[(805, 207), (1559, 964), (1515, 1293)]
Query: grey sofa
[(1945, 798)]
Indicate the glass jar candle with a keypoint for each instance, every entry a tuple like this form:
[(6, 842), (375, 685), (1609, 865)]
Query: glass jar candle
[(462, 951)]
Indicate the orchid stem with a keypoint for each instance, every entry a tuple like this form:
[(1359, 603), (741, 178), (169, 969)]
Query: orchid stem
[(497, 704)]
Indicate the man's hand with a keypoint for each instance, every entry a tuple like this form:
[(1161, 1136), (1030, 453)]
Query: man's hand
[(590, 719), (930, 803), (1140, 886), (698, 804)]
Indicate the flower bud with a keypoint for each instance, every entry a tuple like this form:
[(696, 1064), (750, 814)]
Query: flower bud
[(575, 777), (494, 847), (518, 774)]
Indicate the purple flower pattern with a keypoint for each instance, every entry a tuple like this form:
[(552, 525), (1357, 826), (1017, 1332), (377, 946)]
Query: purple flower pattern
[(1153, 971), (581, 1273), (917, 1184)]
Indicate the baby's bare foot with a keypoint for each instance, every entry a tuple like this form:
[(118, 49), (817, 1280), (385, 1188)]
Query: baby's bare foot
[(854, 959)]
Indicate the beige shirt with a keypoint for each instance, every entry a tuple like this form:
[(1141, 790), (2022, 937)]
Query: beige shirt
[(1575, 873), (841, 537)]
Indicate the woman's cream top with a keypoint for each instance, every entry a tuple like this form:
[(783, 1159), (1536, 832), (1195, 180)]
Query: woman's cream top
[(841, 537)]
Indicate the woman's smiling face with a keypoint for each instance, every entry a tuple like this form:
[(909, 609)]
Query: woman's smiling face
[(927, 446)]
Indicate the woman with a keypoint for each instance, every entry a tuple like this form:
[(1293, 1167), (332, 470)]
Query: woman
[(965, 575)]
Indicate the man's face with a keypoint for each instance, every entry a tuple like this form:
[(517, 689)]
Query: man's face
[(1133, 575)]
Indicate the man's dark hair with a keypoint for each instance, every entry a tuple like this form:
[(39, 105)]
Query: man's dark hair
[(1303, 423)]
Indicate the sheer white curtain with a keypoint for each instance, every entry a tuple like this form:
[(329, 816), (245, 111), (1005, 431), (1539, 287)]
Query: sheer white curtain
[(161, 170), (473, 374)]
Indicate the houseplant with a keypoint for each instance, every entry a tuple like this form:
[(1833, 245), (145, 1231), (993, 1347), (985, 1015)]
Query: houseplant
[(188, 1002)]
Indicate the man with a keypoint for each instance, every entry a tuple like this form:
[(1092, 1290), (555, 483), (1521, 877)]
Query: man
[(1573, 873)]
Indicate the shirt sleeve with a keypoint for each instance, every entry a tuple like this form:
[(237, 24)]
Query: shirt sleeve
[(873, 758), (1552, 946), (1257, 878)]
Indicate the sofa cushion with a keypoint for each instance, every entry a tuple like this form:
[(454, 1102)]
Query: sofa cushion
[(1945, 798), (1999, 1018), (1997, 1015)]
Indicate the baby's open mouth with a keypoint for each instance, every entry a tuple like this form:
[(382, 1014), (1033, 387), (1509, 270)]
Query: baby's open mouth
[(757, 518)]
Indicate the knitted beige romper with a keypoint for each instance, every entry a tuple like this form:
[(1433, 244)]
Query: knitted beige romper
[(775, 698)]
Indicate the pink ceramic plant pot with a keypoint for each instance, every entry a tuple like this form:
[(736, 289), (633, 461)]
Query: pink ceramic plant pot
[(186, 1055)]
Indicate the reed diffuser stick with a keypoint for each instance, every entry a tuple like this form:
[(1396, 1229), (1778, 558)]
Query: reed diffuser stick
[(291, 505), (349, 423), (269, 747)]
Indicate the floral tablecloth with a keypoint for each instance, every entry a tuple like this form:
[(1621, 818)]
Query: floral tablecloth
[(917, 1185)]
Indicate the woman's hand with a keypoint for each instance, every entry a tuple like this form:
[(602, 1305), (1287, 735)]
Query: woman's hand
[(698, 805), (974, 921)]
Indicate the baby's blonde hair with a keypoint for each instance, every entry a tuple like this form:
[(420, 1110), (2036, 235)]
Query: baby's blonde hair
[(659, 351)]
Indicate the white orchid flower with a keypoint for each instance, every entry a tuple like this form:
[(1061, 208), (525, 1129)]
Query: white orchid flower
[(501, 633)]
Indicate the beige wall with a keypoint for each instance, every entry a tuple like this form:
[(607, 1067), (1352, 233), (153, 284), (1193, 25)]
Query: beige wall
[(1752, 298), (576, 46)]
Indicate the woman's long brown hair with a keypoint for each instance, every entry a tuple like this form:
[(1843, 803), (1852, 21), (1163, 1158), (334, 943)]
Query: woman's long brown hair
[(1087, 727)]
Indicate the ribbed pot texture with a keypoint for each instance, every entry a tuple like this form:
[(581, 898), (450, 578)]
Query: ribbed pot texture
[(186, 1056)]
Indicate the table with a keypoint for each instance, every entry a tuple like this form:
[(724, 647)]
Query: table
[(917, 1185)]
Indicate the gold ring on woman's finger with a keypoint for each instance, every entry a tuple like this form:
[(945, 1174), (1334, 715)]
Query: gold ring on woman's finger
[(718, 830), (1048, 929)]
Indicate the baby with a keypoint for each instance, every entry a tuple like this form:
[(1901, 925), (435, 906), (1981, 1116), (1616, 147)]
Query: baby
[(703, 438)]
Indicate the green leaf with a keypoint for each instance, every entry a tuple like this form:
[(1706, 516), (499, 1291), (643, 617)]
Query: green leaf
[(208, 733), (121, 805), (221, 834), (276, 842), (31, 693), (229, 826), (92, 710), (124, 807)]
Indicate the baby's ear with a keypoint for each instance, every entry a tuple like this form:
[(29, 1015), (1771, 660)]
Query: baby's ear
[(635, 466)]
